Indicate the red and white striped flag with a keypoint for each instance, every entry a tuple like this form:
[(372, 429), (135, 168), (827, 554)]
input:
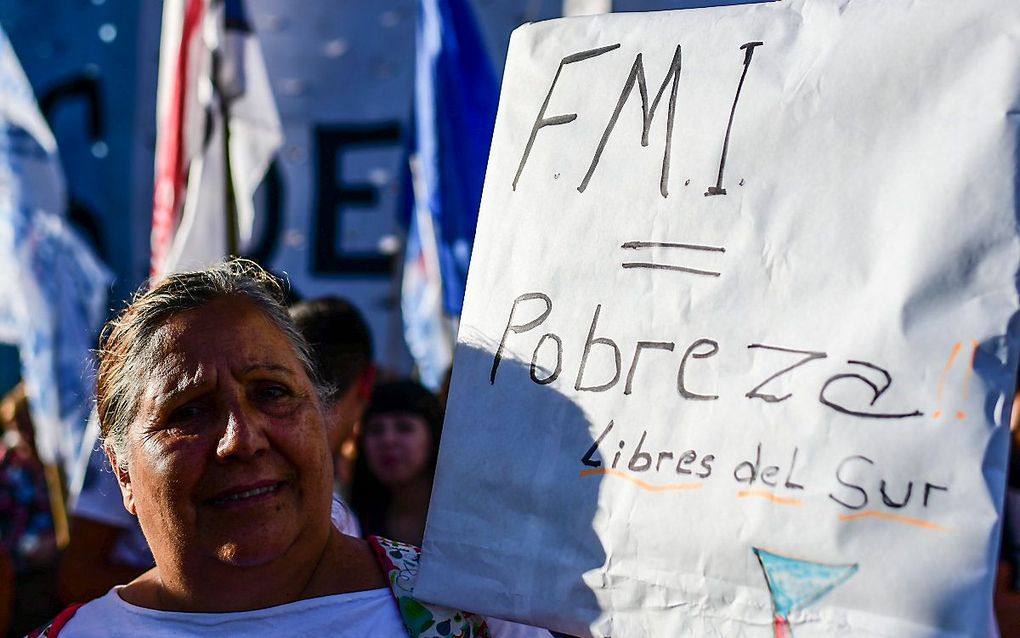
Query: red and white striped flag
[(216, 119)]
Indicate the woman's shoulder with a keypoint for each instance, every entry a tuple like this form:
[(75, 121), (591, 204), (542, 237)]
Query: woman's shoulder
[(51, 629), (102, 616), (100, 608), (352, 566), (143, 591)]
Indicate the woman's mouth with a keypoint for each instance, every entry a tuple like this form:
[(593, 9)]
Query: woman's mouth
[(249, 494)]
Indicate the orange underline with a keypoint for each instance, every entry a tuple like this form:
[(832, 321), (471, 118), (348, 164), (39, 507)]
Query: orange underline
[(770, 496), (917, 522), (674, 487)]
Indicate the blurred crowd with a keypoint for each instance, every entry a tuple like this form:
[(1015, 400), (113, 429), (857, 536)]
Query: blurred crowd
[(61, 545)]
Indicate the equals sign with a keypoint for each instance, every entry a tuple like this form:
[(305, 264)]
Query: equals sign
[(638, 245)]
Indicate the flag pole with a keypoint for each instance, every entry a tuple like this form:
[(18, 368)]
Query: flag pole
[(230, 200), (56, 488), (230, 203)]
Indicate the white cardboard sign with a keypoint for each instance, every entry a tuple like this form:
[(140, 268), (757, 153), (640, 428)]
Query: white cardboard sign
[(737, 348)]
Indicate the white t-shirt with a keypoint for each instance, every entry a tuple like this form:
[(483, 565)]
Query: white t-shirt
[(358, 615), (364, 614)]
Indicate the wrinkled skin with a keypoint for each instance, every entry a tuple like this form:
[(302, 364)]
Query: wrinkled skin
[(229, 470)]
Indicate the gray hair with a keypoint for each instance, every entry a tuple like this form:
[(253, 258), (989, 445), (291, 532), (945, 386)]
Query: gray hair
[(125, 354)]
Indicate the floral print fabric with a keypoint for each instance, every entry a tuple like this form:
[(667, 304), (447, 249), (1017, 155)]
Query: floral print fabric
[(423, 620)]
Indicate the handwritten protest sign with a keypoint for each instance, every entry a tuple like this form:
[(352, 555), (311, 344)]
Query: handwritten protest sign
[(737, 348)]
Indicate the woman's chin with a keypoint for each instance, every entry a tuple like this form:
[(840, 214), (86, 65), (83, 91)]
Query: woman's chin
[(268, 542), (249, 554), (394, 478)]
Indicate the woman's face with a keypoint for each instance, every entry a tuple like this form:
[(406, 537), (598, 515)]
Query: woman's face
[(398, 447), (228, 460)]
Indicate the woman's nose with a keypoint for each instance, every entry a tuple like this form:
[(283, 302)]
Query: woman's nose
[(389, 436), (243, 436)]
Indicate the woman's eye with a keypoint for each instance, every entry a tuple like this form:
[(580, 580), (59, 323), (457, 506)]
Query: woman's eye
[(271, 391), (405, 426), (185, 416), (185, 413)]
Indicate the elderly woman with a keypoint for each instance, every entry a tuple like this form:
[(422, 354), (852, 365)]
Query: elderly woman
[(212, 417)]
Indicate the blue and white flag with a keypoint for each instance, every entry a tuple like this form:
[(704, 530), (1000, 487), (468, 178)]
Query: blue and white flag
[(455, 106), (54, 288)]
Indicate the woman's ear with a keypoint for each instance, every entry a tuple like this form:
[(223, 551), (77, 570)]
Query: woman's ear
[(123, 480)]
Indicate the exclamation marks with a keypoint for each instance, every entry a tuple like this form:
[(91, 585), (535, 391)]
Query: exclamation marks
[(953, 355)]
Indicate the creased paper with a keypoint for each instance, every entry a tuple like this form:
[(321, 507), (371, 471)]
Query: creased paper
[(739, 335)]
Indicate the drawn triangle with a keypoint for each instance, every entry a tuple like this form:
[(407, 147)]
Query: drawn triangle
[(796, 583)]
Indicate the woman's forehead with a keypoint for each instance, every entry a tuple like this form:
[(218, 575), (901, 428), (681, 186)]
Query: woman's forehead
[(229, 332), (395, 415)]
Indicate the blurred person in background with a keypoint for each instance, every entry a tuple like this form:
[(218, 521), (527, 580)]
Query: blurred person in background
[(341, 344), (396, 464), (28, 546)]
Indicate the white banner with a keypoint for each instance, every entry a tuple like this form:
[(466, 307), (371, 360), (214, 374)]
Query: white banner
[(735, 356)]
